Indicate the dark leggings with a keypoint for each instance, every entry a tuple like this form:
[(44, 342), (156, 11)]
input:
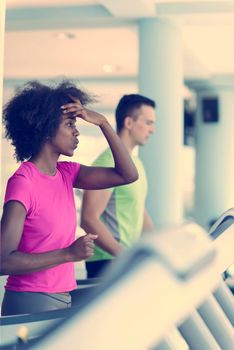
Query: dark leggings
[(95, 268), (16, 303)]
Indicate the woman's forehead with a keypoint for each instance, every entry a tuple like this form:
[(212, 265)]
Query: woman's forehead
[(66, 116)]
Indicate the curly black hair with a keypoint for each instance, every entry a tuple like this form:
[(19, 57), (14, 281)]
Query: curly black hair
[(33, 115)]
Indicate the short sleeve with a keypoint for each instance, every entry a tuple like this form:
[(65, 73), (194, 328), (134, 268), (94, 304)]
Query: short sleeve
[(71, 168), (19, 189), (105, 159)]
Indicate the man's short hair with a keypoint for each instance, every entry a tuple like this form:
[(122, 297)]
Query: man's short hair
[(127, 105)]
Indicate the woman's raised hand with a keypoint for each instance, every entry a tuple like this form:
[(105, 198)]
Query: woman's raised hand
[(77, 110)]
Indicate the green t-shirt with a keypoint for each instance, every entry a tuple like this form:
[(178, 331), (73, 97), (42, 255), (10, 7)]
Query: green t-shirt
[(124, 213)]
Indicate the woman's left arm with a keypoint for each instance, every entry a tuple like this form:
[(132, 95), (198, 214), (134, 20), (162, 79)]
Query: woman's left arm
[(124, 170)]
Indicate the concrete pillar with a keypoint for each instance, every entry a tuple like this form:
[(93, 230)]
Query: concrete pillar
[(161, 78), (214, 180)]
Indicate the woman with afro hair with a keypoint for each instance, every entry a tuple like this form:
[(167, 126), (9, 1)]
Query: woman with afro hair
[(38, 245)]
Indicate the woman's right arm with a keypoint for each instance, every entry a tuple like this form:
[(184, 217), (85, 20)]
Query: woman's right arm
[(14, 262)]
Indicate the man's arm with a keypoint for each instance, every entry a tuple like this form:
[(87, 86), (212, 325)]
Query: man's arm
[(148, 224), (93, 205)]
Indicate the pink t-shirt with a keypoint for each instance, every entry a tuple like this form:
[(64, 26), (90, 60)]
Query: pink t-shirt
[(50, 223)]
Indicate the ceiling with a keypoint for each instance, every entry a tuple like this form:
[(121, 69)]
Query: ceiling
[(89, 39)]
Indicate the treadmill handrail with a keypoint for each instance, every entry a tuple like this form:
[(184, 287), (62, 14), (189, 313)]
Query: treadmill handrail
[(222, 223)]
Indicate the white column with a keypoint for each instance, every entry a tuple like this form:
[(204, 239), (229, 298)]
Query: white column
[(214, 180), (161, 78)]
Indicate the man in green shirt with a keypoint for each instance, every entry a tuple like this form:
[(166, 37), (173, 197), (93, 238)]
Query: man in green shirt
[(118, 215)]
